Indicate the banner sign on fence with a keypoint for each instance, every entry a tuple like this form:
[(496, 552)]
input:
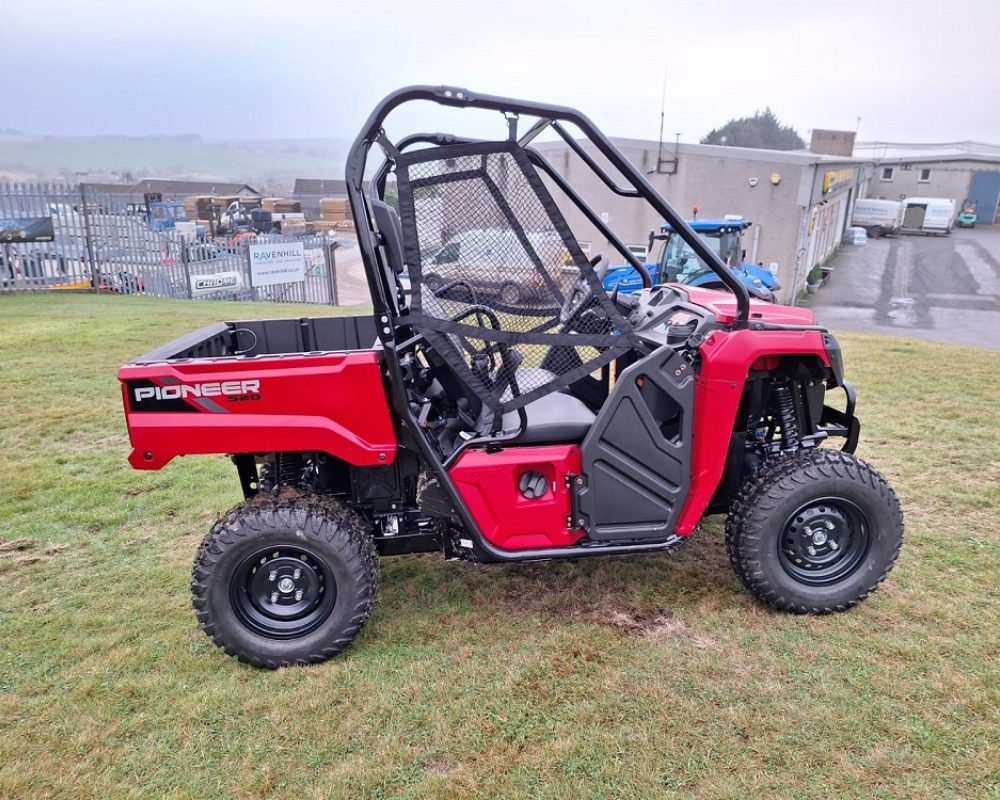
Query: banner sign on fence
[(218, 282), (26, 229), (281, 262)]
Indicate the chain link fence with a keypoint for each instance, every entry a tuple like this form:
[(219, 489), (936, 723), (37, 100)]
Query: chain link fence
[(105, 243)]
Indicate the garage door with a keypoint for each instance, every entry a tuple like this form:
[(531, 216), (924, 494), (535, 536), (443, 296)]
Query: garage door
[(984, 188)]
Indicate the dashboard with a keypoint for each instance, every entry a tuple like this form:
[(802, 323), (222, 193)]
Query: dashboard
[(663, 315)]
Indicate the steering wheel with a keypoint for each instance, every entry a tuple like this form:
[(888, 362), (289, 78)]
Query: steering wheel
[(581, 293)]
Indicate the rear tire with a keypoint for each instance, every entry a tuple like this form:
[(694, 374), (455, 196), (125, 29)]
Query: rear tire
[(814, 533), (285, 580)]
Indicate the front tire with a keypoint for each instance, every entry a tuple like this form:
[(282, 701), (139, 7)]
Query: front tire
[(285, 580), (814, 533)]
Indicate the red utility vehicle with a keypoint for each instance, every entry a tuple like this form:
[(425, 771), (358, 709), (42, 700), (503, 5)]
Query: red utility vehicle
[(461, 421)]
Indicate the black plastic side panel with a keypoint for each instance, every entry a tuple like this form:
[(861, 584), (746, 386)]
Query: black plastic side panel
[(259, 337), (342, 333), (211, 341), (275, 336), (637, 456), (267, 337)]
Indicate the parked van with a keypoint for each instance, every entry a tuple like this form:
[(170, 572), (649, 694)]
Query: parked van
[(928, 214), (878, 217)]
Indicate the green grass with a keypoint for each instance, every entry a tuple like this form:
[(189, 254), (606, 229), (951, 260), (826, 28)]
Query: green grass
[(632, 678)]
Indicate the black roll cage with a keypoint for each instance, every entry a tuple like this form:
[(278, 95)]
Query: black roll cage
[(386, 317)]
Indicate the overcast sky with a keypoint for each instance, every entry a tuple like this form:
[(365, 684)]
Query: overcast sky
[(913, 71)]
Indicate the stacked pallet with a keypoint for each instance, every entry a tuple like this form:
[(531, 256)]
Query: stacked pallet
[(199, 206), (335, 214), (281, 205)]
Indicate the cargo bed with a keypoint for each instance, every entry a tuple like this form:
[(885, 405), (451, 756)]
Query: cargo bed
[(268, 337), (261, 386)]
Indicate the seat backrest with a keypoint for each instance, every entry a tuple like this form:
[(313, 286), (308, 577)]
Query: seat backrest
[(391, 240)]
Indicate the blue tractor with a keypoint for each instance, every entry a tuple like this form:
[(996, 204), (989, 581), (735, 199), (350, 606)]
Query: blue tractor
[(676, 262), (170, 215)]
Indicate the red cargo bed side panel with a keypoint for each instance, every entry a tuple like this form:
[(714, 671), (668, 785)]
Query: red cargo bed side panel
[(331, 402)]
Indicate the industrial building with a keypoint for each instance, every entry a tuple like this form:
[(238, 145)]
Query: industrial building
[(961, 171), (799, 202)]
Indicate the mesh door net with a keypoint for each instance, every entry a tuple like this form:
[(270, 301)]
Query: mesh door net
[(493, 265)]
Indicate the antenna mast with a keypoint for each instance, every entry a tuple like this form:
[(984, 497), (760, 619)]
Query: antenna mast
[(660, 160)]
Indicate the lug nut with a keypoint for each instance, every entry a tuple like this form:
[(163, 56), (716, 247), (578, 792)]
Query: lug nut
[(297, 574), (273, 576), (274, 597), (811, 550), (298, 595), (833, 544), (829, 525)]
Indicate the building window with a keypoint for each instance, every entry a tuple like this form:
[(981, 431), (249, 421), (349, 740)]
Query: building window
[(888, 173), (925, 175)]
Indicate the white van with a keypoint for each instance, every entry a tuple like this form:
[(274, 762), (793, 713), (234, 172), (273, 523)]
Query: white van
[(878, 217), (928, 214), (492, 262)]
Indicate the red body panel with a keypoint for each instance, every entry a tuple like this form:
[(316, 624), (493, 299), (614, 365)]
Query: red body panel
[(723, 305), (488, 484), (726, 359), (331, 402)]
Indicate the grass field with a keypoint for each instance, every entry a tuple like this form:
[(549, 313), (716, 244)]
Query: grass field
[(621, 678)]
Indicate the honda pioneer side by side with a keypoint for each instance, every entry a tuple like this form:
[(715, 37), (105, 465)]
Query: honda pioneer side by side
[(453, 419)]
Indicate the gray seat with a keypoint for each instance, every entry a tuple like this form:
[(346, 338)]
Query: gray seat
[(552, 419)]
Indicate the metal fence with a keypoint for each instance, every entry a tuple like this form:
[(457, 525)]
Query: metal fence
[(100, 244)]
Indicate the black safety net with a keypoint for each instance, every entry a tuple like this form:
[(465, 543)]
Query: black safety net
[(500, 286)]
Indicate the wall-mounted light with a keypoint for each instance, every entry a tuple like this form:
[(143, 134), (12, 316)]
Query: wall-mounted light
[(775, 178)]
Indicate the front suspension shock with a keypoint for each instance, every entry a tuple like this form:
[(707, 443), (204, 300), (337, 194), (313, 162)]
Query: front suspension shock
[(788, 415)]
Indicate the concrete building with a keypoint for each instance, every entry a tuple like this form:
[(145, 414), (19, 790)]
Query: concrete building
[(799, 202), (960, 171)]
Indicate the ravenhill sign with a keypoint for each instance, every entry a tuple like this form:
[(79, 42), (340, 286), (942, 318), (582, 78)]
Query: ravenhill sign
[(271, 264)]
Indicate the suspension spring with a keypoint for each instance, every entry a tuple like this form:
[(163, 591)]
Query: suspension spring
[(789, 417), (289, 469)]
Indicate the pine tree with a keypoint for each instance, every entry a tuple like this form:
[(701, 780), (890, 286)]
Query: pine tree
[(762, 130)]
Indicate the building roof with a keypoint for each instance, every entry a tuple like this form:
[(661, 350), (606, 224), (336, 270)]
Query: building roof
[(214, 188), (320, 186), (928, 151), (801, 157), (108, 188)]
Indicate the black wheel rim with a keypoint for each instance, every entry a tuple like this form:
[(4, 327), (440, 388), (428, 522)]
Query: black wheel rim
[(283, 592), (824, 541)]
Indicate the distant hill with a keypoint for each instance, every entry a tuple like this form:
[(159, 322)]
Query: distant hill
[(271, 163)]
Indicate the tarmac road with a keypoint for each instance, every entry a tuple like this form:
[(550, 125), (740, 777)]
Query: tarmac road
[(944, 288)]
